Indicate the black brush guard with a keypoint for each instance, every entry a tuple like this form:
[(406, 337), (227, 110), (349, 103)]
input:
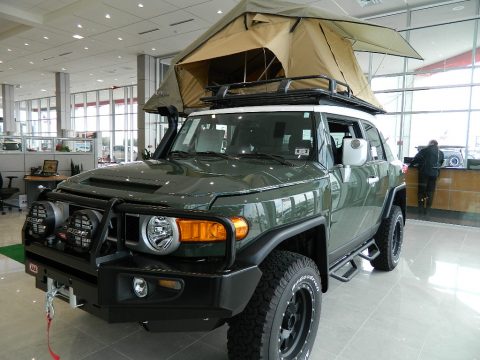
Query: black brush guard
[(211, 291)]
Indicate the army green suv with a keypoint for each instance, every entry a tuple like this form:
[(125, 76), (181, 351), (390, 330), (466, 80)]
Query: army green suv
[(241, 216)]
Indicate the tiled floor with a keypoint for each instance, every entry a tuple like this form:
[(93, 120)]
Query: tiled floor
[(427, 309)]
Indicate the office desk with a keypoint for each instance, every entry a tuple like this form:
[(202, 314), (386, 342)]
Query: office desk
[(32, 183)]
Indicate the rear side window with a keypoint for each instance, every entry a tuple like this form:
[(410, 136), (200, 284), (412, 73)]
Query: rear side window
[(373, 137)]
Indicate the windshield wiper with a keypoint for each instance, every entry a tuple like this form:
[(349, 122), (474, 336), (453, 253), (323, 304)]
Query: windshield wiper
[(213, 153), (278, 158)]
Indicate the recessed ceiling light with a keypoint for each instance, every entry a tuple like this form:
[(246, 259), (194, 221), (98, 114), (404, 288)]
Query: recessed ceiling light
[(115, 79), (90, 74), (107, 16), (43, 90), (119, 56), (458, 8), (76, 36), (26, 44), (45, 37), (1, 62), (85, 48), (9, 49), (219, 12), (79, 26), (31, 62), (63, 69), (153, 49), (100, 80), (120, 38), (140, 5)]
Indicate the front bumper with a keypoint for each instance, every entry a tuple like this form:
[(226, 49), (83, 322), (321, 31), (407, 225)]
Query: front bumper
[(205, 300)]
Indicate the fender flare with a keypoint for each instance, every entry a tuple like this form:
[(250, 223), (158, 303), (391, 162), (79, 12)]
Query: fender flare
[(389, 203), (259, 249)]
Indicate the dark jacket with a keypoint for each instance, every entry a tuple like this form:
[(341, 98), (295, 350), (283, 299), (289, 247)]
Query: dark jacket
[(428, 160)]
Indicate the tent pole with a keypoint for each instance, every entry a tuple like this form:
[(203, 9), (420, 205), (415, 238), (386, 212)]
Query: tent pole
[(245, 68), (266, 68)]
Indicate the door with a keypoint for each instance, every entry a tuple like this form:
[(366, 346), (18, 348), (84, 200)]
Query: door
[(378, 174)]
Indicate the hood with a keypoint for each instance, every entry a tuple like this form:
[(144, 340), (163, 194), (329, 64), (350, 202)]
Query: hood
[(188, 183)]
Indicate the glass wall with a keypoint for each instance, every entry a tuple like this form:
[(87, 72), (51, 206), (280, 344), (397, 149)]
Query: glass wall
[(108, 114), (438, 97)]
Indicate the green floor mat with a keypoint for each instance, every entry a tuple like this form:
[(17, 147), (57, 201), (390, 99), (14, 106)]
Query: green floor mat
[(14, 252)]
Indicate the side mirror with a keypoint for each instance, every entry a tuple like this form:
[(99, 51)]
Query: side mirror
[(355, 152)]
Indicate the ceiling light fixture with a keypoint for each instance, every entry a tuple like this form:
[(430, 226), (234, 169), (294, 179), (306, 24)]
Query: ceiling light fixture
[(85, 48), (43, 90), (140, 5), (364, 3), (1, 62), (9, 49), (31, 62), (119, 56), (90, 74), (458, 8), (219, 12), (120, 38), (153, 49), (63, 69), (100, 80), (76, 36), (79, 26), (45, 37), (107, 16), (26, 44)]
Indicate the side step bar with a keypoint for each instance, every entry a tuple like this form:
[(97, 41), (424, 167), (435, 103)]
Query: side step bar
[(350, 259)]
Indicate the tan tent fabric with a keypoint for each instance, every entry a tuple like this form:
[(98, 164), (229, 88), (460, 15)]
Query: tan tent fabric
[(255, 41)]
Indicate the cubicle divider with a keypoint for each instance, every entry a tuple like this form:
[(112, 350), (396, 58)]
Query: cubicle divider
[(18, 162)]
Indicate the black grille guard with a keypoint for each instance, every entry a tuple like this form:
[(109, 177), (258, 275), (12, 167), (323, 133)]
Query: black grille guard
[(118, 208)]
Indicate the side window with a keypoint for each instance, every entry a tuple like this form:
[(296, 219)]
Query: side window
[(373, 137), (340, 129)]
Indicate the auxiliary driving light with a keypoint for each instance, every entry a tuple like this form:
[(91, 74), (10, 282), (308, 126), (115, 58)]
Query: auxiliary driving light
[(140, 287)]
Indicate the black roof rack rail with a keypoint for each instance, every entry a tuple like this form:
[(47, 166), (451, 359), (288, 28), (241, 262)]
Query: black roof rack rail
[(223, 97)]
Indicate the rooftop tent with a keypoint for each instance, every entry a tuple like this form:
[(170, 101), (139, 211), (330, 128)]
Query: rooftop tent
[(262, 39)]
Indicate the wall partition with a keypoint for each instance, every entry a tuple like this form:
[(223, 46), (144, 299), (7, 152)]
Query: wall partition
[(437, 98)]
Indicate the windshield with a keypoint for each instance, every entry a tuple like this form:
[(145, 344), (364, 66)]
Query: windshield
[(286, 135)]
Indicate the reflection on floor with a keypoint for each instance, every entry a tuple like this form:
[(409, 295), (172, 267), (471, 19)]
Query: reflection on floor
[(445, 216), (428, 308)]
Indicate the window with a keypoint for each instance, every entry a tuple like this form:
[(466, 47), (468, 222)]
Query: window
[(376, 147)]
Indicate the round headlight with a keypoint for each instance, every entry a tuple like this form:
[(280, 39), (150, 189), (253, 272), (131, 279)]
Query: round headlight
[(162, 234), (81, 228), (43, 218)]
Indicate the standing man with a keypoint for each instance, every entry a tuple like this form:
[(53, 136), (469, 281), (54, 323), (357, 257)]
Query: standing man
[(428, 161)]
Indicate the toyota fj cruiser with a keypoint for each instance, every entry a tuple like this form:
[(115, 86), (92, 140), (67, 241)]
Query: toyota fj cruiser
[(240, 217)]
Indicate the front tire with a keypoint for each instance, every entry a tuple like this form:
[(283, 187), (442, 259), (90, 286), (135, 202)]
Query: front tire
[(281, 319), (389, 239)]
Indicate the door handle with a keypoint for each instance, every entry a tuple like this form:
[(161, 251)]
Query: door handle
[(372, 180)]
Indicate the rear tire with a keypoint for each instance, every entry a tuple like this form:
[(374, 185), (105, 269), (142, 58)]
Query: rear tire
[(389, 239), (281, 319)]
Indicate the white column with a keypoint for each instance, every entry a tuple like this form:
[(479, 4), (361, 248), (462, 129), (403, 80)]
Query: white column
[(8, 104), (146, 76), (62, 94)]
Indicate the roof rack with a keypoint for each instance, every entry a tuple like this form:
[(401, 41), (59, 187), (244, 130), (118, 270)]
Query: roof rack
[(223, 97)]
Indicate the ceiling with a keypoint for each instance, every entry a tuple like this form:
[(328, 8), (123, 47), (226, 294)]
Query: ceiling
[(36, 36)]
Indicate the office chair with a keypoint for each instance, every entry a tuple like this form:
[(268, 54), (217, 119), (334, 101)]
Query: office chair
[(7, 193)]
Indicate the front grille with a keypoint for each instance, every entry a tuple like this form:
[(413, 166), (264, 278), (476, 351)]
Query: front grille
[(132, 226)]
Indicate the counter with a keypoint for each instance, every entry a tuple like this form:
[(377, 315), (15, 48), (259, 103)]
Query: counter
[(456, 190)]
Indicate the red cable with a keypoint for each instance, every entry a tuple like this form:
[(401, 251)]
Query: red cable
[(52, 354)]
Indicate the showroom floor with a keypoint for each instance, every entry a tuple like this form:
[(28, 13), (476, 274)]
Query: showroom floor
[(427, 309)]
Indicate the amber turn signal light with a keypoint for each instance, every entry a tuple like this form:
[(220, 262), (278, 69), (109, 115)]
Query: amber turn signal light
[(208, 231)]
